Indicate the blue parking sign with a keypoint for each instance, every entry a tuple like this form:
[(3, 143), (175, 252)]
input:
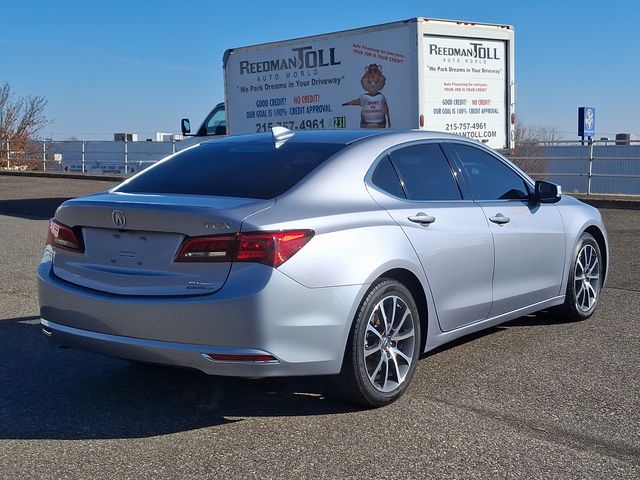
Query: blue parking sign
[(586, 121)]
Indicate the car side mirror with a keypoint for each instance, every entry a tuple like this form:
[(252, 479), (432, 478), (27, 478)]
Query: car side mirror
[(185, 126), (220, 130), (547, 192)]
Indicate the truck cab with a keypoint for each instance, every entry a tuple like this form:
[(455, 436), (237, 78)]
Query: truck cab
[(214, 124)]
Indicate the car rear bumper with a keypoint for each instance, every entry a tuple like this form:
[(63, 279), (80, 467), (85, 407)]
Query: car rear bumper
[(176, 354), (258, 311)]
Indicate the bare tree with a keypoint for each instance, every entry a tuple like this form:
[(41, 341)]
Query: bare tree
[(529, 152), (21, 118)]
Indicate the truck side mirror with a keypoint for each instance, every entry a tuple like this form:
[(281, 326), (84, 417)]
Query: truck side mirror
[(547, 192), (185, 126)]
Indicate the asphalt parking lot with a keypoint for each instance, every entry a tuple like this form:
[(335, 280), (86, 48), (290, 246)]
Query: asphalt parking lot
[(533, 398)]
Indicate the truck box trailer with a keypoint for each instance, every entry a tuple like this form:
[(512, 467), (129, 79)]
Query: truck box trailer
[(442, 75)]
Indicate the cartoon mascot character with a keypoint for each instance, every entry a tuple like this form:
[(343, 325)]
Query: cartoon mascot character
[(374, 108)]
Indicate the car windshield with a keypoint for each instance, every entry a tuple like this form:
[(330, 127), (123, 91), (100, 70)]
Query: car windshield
[(233, 169)]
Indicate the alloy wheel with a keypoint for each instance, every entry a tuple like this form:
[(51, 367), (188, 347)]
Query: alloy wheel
[(587, 278), (389, 341)]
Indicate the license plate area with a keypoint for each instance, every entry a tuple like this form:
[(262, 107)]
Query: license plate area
[(133, 249)]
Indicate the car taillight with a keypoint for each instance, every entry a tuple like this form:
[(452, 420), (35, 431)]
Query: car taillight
[(269, 248), (61, 236), (207, 249)]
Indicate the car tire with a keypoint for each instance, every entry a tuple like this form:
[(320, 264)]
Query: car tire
[(584, 281), (383, 347)]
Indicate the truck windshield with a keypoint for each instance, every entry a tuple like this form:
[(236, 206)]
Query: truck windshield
[(232, 169)]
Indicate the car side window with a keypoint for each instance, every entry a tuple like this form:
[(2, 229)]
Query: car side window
[(385, 178), (425, 173), (490, 178)]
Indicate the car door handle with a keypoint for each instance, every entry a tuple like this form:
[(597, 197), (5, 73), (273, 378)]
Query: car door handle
[(422, 218), (500, 219)]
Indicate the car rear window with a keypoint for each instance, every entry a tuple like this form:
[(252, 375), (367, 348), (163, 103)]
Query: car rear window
[(233, 169)]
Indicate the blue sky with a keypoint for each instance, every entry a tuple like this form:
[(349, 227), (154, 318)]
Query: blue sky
[(140, 66)]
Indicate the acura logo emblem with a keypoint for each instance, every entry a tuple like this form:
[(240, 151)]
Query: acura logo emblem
[(119, 220)]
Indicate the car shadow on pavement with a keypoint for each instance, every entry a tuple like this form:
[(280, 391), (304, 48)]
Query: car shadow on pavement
[(543, 317), (31, 208), (47, 392), (532, 320), (462, 340)]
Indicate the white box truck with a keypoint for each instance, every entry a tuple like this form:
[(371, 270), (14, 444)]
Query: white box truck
[(443, 75)]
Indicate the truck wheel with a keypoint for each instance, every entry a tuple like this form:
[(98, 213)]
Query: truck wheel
[(383, 347), (584, 282)]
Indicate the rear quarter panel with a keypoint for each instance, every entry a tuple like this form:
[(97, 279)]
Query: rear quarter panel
[(355, 240)]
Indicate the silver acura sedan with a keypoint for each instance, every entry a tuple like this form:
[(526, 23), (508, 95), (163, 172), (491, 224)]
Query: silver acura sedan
[(316, 253)]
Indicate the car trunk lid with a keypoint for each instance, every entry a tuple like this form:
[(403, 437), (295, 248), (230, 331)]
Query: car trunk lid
[(131, 240)]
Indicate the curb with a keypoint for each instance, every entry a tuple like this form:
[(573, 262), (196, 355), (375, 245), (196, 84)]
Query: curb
[(76, 176), (629, 202)]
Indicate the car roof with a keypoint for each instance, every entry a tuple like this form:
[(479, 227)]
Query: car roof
[(339, 136)]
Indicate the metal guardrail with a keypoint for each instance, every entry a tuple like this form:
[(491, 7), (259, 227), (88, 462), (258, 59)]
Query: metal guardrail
[(597, 167)]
